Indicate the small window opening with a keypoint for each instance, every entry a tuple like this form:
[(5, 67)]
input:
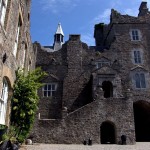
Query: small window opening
[(28, 16), (135, 35), (4, 58)]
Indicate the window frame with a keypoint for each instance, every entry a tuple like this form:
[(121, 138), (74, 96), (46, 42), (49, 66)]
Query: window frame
[(135, 35), (23, 58), (3, 9), (137, 57), (102, 63), (3, 101), (140, 82), (15, 50), (49, 92)]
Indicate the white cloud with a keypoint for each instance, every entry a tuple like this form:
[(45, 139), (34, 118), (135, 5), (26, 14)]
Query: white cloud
[(57, 6), (131, 12), (148, 3), (103, 17), (115, 3), (88, 38), (130, 7), (120, 7)]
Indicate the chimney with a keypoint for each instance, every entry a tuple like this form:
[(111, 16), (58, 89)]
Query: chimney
[(143, 10), (74, 37)]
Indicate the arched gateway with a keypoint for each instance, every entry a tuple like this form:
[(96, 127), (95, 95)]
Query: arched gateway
[(108, 133), (142, 121)]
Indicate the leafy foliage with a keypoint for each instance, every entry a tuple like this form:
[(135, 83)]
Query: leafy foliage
[(11, 134), (25, 101)]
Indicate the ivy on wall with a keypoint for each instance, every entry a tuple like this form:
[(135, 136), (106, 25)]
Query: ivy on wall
[(25, 101)]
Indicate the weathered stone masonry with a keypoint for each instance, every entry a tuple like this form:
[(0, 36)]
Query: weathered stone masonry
[(15, 49), (102, 91)]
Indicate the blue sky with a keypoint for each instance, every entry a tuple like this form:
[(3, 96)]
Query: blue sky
[(75, 16)]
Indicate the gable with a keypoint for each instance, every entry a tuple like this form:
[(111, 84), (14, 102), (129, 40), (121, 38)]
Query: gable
[(51, 77), (102, 59), (138, 68), (105, 70)]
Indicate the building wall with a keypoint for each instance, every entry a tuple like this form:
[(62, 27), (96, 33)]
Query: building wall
[(80, 100), (9, 63)]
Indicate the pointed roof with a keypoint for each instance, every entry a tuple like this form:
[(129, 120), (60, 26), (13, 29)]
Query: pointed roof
[(59, 29)]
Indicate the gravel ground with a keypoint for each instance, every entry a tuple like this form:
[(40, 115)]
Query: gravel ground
[(138, 146)]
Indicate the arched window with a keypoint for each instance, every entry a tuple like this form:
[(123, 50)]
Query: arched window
[(3, 101), (140, 80)]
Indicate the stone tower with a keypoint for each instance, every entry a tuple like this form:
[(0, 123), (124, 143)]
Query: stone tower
[(58, 38)]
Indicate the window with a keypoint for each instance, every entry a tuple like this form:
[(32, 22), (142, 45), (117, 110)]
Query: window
[(135, 35), (3, 6), (28, 16), (100, 64), (29, 64), (137, 57), (108, 89), (3, 101), (140, 80), (17, 37), (23, 58), (49, 89)]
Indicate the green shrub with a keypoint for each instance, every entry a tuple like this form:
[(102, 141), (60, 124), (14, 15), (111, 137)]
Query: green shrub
[(25, 101)]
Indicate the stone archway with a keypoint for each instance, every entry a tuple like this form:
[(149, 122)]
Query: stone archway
[(108, 89), (107, 133), (142, 121)]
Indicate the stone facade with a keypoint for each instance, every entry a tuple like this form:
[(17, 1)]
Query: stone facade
[(101, 90), (16, 49)]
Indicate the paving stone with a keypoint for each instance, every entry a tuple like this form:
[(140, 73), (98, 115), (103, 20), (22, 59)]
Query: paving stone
[(137, 146)]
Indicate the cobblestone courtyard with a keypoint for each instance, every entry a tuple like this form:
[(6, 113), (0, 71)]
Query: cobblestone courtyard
[(138, 146)]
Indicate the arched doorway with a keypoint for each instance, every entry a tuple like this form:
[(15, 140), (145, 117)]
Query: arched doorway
[(142, 121), (108, 133), (108, 89)]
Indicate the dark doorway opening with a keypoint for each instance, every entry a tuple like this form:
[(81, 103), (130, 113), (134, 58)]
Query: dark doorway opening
[(108, 133), (142, 121), (108, 89)]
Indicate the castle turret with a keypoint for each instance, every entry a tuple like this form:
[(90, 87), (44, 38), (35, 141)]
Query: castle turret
[(58, 38)]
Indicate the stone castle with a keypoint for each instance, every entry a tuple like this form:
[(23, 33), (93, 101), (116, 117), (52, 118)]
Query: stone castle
[(100, 92)]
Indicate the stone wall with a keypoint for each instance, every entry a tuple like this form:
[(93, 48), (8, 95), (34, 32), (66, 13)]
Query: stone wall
[(80, 106), (8, 62), (86, 121)]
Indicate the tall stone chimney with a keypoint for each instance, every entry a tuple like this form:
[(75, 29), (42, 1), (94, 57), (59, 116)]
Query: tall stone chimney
[(143, 10)]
